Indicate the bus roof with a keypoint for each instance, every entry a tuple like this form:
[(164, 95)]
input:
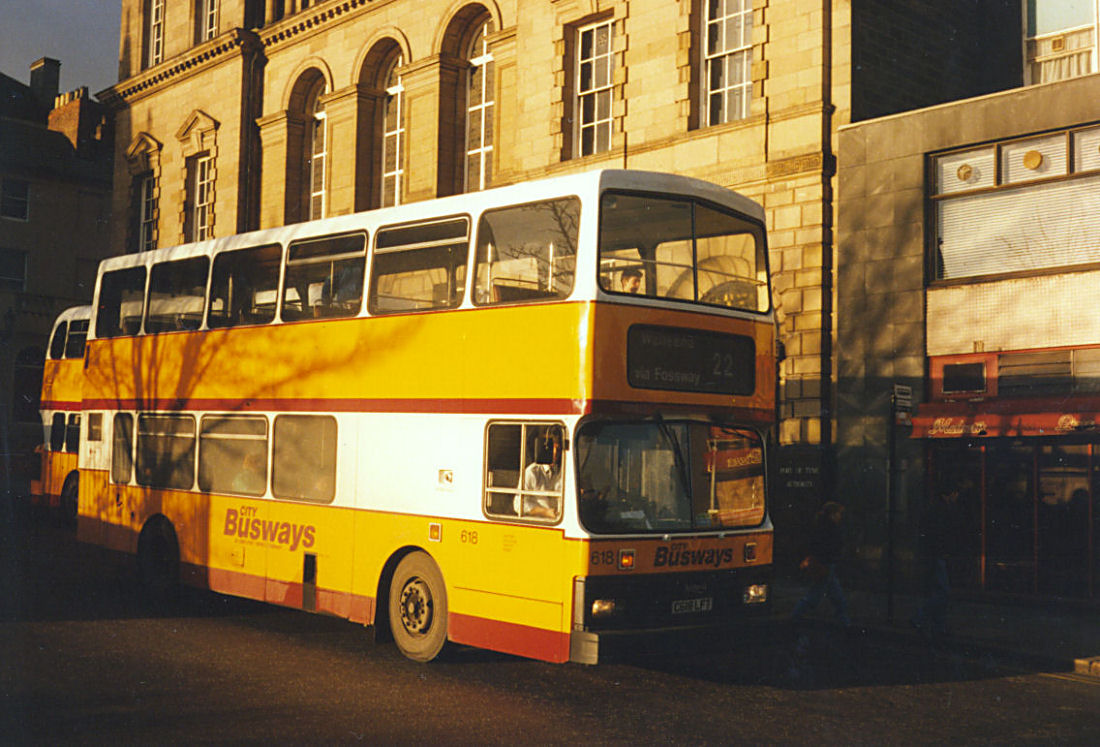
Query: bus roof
[(587, 184)]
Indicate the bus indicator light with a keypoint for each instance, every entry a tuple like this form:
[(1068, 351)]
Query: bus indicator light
[(435, 532), (626, 560), (755, 594), (603, 608)]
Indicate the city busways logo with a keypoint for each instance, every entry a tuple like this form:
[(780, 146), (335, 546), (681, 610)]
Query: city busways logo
[(678, 555), (246, 525)]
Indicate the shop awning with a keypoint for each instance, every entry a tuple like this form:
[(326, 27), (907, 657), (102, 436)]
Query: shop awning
[(1004, 419)]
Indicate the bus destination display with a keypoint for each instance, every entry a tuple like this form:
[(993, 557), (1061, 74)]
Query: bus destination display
[(690, 360)]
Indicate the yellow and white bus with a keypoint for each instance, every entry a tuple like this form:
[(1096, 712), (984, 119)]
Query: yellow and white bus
[(61, 403), (524, 419)]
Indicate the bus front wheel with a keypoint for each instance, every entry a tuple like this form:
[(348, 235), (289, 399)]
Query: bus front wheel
[(418, 607)]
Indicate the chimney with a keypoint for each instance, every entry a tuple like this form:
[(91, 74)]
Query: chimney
[(77, 117), (45, 80)]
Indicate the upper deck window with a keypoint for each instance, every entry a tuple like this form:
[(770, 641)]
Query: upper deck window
[(78, 335), (244, 286), (176, 294), (57, 343), (324, 277), (681, 249), (527, 252), (420, 266), (121, 300)]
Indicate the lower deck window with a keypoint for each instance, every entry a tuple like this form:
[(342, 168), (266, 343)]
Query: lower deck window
[(166, 451), (304, 458), (523, 475), (122, 449), (233, 455)]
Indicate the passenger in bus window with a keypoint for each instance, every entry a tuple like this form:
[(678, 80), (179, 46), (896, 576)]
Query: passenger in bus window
[(252, 477), (544, 474), (630, 280)]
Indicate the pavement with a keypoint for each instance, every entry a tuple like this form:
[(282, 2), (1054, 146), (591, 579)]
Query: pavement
[(1049, 635)]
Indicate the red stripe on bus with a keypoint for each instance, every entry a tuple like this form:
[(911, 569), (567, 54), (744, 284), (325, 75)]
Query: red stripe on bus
[(509, 638), (59, 405), (353, 607)]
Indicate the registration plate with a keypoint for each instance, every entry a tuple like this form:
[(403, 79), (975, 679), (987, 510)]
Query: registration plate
[(683, 606)]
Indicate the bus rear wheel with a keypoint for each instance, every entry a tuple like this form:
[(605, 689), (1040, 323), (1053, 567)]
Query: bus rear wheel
[(70, 492), (158, 561), (418, 607)]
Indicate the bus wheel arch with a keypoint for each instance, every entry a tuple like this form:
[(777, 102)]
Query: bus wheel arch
[(158, 559), (70, 496), (416, 604)]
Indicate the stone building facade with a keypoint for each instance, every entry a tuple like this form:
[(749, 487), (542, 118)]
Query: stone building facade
[(241, 114), (55, 207)]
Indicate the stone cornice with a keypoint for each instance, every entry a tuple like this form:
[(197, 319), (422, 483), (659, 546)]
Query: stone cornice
[(216, 50), (307, 20)]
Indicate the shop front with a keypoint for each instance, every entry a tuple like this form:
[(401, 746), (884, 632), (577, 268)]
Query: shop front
[(1029, 495)]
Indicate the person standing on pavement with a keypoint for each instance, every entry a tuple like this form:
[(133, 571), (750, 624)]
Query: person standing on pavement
[(819, 564), (938, 530)]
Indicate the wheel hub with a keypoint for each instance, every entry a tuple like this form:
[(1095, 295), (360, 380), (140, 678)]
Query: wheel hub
[(416, 606)]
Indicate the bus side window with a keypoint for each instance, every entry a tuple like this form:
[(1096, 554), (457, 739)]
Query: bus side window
[(72, 434), (57, 344), (233, 454), (244, 286), (57, 432), (527, 252), (523, 475), (122, 449), (303, 462), (419, 267), (166, 451), (176, 294), (78, 336), (324, 277), (121, 298)]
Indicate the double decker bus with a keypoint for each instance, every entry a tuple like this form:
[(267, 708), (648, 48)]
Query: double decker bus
[(527, 419), (62, 379)]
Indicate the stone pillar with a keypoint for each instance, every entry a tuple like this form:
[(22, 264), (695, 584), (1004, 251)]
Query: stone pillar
[(353, 115), (422, 90), (281, 136)]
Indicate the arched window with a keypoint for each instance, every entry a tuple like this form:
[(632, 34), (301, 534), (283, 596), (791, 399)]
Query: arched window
[(315, 152), (393, 133), (480, 100)]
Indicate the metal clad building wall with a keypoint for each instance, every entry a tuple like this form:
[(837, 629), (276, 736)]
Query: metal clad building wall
[(1016, 314)]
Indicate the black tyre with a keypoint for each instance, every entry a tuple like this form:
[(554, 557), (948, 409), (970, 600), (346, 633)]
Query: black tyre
[(70, 492), (158, 561), (418, 607)]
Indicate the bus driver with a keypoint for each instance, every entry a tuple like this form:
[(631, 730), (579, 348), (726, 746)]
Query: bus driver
[(544, 474)]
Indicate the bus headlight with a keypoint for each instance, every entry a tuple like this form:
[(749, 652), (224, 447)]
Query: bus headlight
[(603, 608), (755, 594)]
